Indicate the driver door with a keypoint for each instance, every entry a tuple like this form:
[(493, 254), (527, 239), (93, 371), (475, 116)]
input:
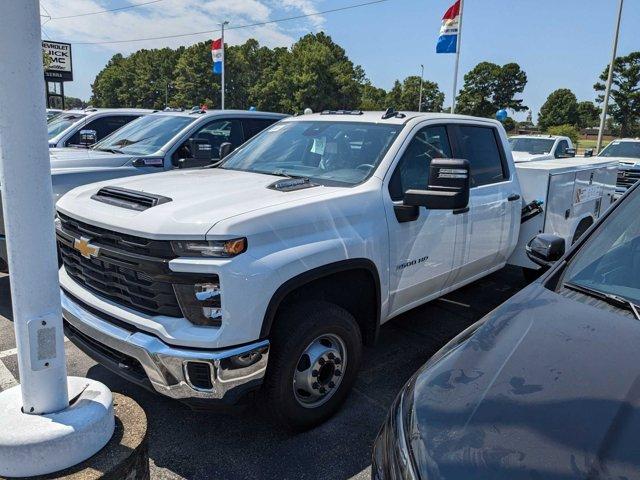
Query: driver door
[(423, 251)]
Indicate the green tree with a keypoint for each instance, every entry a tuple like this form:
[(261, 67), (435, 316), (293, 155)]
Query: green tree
[(432, 97), (509, 124), (194, 82), (561, 108), (588, 115), (624, 105), (372, 98), (139, 80), (565, 131), (489, 87)]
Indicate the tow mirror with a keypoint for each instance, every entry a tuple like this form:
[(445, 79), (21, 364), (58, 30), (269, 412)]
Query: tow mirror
[(545, 249), (225, 149), (201, 154), (88, 137), (570, 152), (588, 152), (448, 187)]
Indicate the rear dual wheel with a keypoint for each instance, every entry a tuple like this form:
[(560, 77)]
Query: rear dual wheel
[(313, 363)]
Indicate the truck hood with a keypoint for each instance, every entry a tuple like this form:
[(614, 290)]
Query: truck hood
[(199, 199), (626, 162), (548, 387), (63, 158), (530, 157)]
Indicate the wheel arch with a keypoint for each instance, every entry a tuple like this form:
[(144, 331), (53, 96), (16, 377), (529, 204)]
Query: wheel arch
[(325, 280), (583, 225)]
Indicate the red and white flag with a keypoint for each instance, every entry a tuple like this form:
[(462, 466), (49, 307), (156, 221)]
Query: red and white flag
[(217, 56)]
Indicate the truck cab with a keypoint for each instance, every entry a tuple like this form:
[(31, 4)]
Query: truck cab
[(529, 148), (84, 127), (156, 142), (270, 272)]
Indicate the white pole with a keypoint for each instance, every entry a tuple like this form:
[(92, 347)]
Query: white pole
[(25, 176), (455, 70), (421, 82), (223, 62), (607, 91)]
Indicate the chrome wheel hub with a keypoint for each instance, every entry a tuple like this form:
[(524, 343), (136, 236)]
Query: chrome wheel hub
[(319, 370)]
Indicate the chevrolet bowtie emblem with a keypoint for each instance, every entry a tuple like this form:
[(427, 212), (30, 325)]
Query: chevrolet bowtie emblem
[(85, 248)]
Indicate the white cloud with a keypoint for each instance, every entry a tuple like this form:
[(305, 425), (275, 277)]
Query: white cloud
[(174, 17)]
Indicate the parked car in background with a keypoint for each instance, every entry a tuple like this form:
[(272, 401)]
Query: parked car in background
[(52, 112), (626, 151), (529, 148), (273, 269), (152, 143), (545, 386), (83, 128)]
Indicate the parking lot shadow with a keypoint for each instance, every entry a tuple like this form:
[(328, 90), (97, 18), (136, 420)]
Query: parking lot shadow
[(5, 297), (244, 444)]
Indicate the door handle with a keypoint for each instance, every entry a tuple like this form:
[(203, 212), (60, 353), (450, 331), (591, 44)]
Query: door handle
[(513, 197)]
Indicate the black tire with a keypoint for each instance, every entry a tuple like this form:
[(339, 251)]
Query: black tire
[(531, 274), (295, 328), (4, 268), (583, 226)]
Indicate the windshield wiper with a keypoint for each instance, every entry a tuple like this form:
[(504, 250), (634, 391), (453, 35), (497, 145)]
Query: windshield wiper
[(282, 173), (110, 150), (610, 298)]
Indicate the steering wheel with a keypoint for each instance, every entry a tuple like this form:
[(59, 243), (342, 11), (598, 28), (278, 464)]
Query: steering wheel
[(364, 166)]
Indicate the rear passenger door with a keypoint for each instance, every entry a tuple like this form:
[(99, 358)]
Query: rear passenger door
[(489, 228)]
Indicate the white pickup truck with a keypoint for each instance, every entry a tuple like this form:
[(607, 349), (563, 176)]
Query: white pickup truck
[(530, 148), (270, 271)]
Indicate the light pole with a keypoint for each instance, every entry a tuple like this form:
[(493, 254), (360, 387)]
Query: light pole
[(49, 422), (166, 93), (607, 91), (223, 66), (421, 82)]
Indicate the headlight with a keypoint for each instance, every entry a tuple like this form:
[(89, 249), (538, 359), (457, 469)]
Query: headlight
[(57, 222), (201, 303), (210, 248)]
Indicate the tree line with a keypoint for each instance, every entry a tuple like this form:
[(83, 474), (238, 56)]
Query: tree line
[(315, 72)]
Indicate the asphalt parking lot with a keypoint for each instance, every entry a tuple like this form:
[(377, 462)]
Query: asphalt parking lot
[(244, 444)]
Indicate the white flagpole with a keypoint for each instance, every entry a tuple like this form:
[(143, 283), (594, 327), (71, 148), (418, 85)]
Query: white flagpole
[(607, 91), (455, 70), (222, 82)]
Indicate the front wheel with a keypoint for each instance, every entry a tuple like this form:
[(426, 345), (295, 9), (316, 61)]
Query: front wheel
[(313, 363)]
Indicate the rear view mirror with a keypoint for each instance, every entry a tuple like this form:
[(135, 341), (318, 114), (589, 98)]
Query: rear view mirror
[(448, 187), (545, 249), (225, 149), (588, 152), (88, 137)]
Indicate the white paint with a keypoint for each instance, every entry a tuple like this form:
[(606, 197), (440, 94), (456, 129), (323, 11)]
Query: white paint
[(25, 176), (40, 444)]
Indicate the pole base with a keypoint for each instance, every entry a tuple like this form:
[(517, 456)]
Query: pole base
[(39, 444)]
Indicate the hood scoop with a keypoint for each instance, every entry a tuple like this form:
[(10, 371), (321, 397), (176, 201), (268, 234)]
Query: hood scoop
[(292, 184), (125, 198)]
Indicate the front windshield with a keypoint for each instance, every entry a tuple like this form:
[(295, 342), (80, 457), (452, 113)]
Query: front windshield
[(61, 122), (622, 149), (337, 153), (610, 260), (531, 145), (145, 135)]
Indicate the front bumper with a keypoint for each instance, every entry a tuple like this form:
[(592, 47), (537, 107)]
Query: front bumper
[(144, 359)]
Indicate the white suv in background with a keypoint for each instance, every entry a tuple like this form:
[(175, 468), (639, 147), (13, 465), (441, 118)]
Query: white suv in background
[(82, 128)]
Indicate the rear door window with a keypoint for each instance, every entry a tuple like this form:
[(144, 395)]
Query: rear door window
[(481, 147), (253, 126), (104, 126)]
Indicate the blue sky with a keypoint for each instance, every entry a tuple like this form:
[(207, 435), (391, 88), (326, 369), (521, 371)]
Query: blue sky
[(561, 43)]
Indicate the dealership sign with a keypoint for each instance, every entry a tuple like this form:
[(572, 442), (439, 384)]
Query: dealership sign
[(59, 68)]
